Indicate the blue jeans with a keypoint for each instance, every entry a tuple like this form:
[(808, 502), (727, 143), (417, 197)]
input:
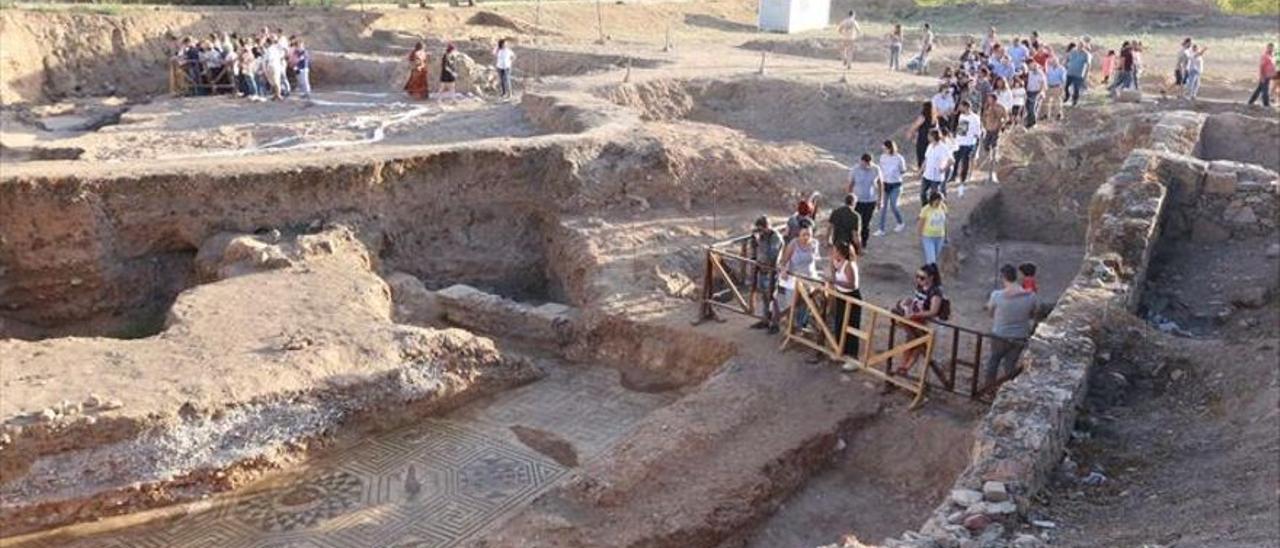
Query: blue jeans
[(891, 193), (1263, 90), (1120, 80), (1074, 85), (504, 81), (932, 248)]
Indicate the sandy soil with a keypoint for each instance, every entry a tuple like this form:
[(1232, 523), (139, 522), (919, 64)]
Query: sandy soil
[(598, 188)]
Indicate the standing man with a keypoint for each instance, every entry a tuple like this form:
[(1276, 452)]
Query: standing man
[(846, 225), (1078, 61), (766, 246), (944, 106), (1056, 78), (866, 185), (849, 30), (968, 130), (1035, 86), (993, 122), (1266, 72), (926, 47), (1012, 309)]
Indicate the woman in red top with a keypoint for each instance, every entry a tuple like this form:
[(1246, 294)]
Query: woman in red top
[(416, 87), (1042, 56)]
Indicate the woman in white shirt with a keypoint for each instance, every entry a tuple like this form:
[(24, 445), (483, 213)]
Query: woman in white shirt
[(892, 168), (504, 60), (937, 161)]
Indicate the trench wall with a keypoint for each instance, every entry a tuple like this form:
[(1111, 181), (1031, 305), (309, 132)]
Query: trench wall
[(1021, 439)]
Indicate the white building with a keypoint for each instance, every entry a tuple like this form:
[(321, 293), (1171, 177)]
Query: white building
[(794, 15)]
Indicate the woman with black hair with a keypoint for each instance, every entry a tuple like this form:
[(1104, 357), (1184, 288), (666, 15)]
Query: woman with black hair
[(920, 129), (843, 276), (924, 305)]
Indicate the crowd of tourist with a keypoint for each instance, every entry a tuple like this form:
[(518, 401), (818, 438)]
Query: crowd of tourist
[(258, 66), (269, 64)]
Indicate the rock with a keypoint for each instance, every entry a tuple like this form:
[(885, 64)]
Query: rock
[(955, 517), (1206, 231), (1249, 296), (965, 497), (1219, 181), (1129, 96), (1175, 375), (1243, 216), (992, 535), (94, 400), (1027, 541), (1044, 524), (977, 522), (112, 404), (48, 415), (414, 303), (994, 491)]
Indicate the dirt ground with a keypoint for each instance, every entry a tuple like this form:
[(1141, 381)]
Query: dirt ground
[(597, 187), (1182, 433)]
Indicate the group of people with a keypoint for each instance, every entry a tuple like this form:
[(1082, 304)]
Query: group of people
[(420, 67), (265, 64), (1037, 76)]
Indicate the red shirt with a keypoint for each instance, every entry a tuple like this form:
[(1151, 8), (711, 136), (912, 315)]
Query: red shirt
[(1041, 58), (1268, 67), (1029, 284)]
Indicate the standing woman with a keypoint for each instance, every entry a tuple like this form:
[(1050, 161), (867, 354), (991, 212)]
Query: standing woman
[(895, 47), (937, 164), (448, 72), (416, 87), (504, 60), (843, 275), (892, 168), (1195, 68), (932, 226), (799, 256), (920, 129)]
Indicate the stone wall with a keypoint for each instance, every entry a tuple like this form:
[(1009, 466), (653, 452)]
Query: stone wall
[(1022, 438)]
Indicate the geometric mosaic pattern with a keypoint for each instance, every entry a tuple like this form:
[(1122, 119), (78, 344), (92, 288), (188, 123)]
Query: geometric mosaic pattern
[(437, 483)]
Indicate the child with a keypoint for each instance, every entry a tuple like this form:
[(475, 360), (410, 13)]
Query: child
[(1028, 271)]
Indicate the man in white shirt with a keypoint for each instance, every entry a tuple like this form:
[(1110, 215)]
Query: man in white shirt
[(1035, 85), (968, 131), (849, 30), (926, 47)]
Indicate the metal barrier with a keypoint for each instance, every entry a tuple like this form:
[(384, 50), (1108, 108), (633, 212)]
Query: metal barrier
[(181, 83), (832, 338), (730, 279), (959, 341)]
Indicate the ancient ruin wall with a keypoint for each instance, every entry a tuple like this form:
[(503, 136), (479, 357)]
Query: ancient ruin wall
[(1023, 436)]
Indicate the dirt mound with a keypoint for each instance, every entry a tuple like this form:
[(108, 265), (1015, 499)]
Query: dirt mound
[(491, 19)]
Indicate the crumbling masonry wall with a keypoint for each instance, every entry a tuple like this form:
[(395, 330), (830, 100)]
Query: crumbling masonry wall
[(1023, 436)]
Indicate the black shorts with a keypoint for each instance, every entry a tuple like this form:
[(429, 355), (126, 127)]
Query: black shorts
[(990, 140), (1179, 77)]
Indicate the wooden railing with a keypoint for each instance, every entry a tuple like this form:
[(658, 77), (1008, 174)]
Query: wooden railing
[(730, 283), (829, 337)]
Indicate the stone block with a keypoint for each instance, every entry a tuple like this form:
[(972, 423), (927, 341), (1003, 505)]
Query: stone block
[(965, 497), (995, 491), (1219, 181)]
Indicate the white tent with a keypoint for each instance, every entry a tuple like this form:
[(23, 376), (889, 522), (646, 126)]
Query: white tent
[(794, 15)]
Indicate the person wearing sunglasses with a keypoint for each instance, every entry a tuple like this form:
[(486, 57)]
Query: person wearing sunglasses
[(925, 304)]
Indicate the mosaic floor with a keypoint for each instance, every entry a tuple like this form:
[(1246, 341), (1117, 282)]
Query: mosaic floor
[(435, 484)]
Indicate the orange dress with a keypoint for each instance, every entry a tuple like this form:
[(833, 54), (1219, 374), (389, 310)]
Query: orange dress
[(416, 87)]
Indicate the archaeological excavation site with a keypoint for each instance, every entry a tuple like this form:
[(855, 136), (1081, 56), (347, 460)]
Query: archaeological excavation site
[(357, 317)]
